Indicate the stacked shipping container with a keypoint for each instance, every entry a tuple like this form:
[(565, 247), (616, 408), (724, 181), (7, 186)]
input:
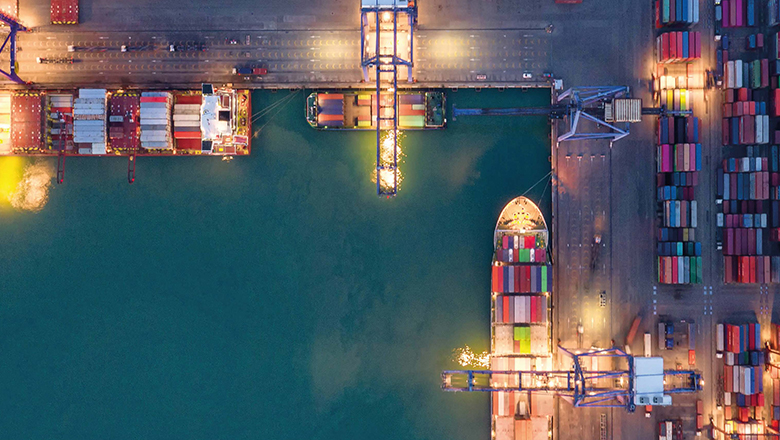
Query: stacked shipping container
[(123, 121), (676, 12), (743, 368), (156, 120), (774, 373), (737, 13), (89, 121), (679, 155), (750, 216), (186, 121), (60, 121), (678, 46)]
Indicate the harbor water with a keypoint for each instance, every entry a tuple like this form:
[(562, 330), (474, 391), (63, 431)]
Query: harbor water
[(274, 296)]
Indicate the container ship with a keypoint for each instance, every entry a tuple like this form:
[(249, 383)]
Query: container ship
[(101, 122), (358, 110), (520, 329)]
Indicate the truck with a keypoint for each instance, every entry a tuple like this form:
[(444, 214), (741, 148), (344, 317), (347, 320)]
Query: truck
[(669, 334), (249, 71), (719, 348), (648, 345)]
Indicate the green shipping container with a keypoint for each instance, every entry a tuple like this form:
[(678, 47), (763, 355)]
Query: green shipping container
[(412, 121), (518, 333), (665, 4), (544, 279)]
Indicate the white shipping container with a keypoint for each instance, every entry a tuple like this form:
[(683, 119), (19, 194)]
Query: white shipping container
[(190, 124), (187, 108), (154, 121), (156, 94), (92, 93), (729, 358), (648, 345), (727, 399), (88, 123), (730, 75), (757, 164), (765, 127), (99, 148), (738, 74), (166, 146), (154, 113), (148, 105), (759, 130), (85, 150), (179, 117), (694, 214), (719, 338)]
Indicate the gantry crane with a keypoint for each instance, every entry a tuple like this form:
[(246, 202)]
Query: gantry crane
[(642, 382), (13, 28), (605, 106), (381, 19)]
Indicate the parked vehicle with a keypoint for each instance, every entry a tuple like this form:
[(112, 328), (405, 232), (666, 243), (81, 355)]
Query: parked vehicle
[(249, 71)]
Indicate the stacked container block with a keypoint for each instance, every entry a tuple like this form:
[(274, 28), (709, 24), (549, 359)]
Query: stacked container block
[(123, 123), (679, 157), (737, 13), (60, 121), (749, 188), (521, 282), (743, 368), (89, 121), (186, 121), (678, 46), (156, 120), (676, 12)]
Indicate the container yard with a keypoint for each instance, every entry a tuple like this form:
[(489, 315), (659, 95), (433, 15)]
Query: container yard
[(521, 289), (104, 122), (355, 110)]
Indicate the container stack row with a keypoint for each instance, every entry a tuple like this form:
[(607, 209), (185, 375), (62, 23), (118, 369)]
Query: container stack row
[(522, 339), (511, 309), (123, 121), (679, 158), (89, 121), (678, 46), (60, 121), (670, 430), (516, 249), (186, 121), (743, 366), (156, 120), (742, 74), (745, 122), (676, 12), (522, 278), (736, 13), (749, 215)]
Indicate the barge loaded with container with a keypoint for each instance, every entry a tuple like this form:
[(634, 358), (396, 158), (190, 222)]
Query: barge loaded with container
[(101, 122), (358, 110), (520, 329)]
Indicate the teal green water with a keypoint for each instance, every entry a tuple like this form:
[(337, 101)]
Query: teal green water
[(272, 297)]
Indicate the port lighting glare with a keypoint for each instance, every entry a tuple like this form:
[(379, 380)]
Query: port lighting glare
[(387, 17)]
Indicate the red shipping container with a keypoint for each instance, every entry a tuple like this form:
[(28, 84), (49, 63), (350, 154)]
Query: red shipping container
[(726, 132), (505, 300), (679, 42), (740, 12), (727, 110), (672, 45), (730, 95), (534, 306), (760, 270), (742, 94), (494, 286), (751, 336), (753, 268), (517, 279), (767, 269), (674, 270), (691, 357), (776, 102), (698, 44)]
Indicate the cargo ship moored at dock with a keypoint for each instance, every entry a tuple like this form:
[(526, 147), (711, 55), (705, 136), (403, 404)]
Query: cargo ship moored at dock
[(357, 110), (101, 122), (520, 328)]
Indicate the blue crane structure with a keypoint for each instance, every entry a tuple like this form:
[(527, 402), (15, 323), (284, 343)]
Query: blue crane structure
[(10, 41), (384, 17), (581, 386), (574, 105)]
